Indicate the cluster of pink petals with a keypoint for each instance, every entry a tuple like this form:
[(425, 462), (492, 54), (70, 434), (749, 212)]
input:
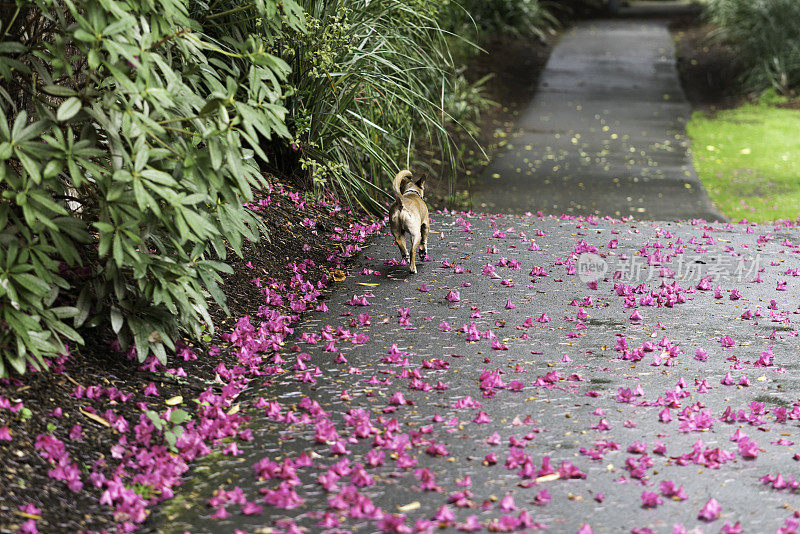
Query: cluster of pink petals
[(670, 490), (63, 467), (650, 499), (779, 482), (702, 455), (710, 511)]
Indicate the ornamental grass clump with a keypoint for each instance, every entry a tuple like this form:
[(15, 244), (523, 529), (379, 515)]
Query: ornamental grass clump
[(369, 84), (131, 135)]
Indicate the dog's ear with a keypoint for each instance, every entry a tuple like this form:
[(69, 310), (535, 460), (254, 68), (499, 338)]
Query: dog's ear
[(420, 182)]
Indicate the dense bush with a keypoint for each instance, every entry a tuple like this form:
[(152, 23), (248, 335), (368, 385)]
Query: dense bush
[(766, 36), (488, 17), (129, 138)]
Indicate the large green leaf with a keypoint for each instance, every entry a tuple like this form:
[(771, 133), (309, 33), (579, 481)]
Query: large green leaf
[(68, 108)]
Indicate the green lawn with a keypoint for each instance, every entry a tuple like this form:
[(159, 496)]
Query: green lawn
[(749, 161)]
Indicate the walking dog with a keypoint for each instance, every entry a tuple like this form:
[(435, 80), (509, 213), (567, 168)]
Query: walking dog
[(409, 215)]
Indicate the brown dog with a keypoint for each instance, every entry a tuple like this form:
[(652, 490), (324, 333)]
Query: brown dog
[(409, 215)]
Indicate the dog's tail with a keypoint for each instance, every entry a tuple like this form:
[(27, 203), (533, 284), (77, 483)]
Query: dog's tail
[(398, 180)]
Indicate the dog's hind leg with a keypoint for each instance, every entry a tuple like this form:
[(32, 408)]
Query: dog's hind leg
[(423, 250), (415, 240), (400, 239)]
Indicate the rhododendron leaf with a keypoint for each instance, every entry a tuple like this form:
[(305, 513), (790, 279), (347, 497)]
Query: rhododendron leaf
[(116, 319), (68, 109), (160, 352)]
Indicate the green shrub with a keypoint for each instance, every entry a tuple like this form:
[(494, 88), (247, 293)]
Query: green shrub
[(130, 134), (571, 9), (488, 17), (766, 36)]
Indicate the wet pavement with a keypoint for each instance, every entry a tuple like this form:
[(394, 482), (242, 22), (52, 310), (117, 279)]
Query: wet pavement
[(620, 382), (605, 133)]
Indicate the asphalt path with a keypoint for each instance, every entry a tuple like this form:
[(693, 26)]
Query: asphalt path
[(605, 133), (663, 387)]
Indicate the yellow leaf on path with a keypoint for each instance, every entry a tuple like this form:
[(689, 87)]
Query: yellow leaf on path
[(548, 478), (338, 275), (174, 400), (95, 418), (234, 410), (367, 284), (408, 507), (26, 515)]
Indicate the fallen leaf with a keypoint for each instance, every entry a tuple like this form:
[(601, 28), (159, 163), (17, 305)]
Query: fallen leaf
[(26, 515), (95, 418), (408, 507), (174, 400)]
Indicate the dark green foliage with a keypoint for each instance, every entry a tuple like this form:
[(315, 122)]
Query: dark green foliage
[(766, 36), (481, 19), (129, 134), (570, 9), (515, 17)]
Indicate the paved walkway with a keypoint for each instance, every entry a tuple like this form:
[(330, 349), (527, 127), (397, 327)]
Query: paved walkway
[(498, 359), (605, 133)]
